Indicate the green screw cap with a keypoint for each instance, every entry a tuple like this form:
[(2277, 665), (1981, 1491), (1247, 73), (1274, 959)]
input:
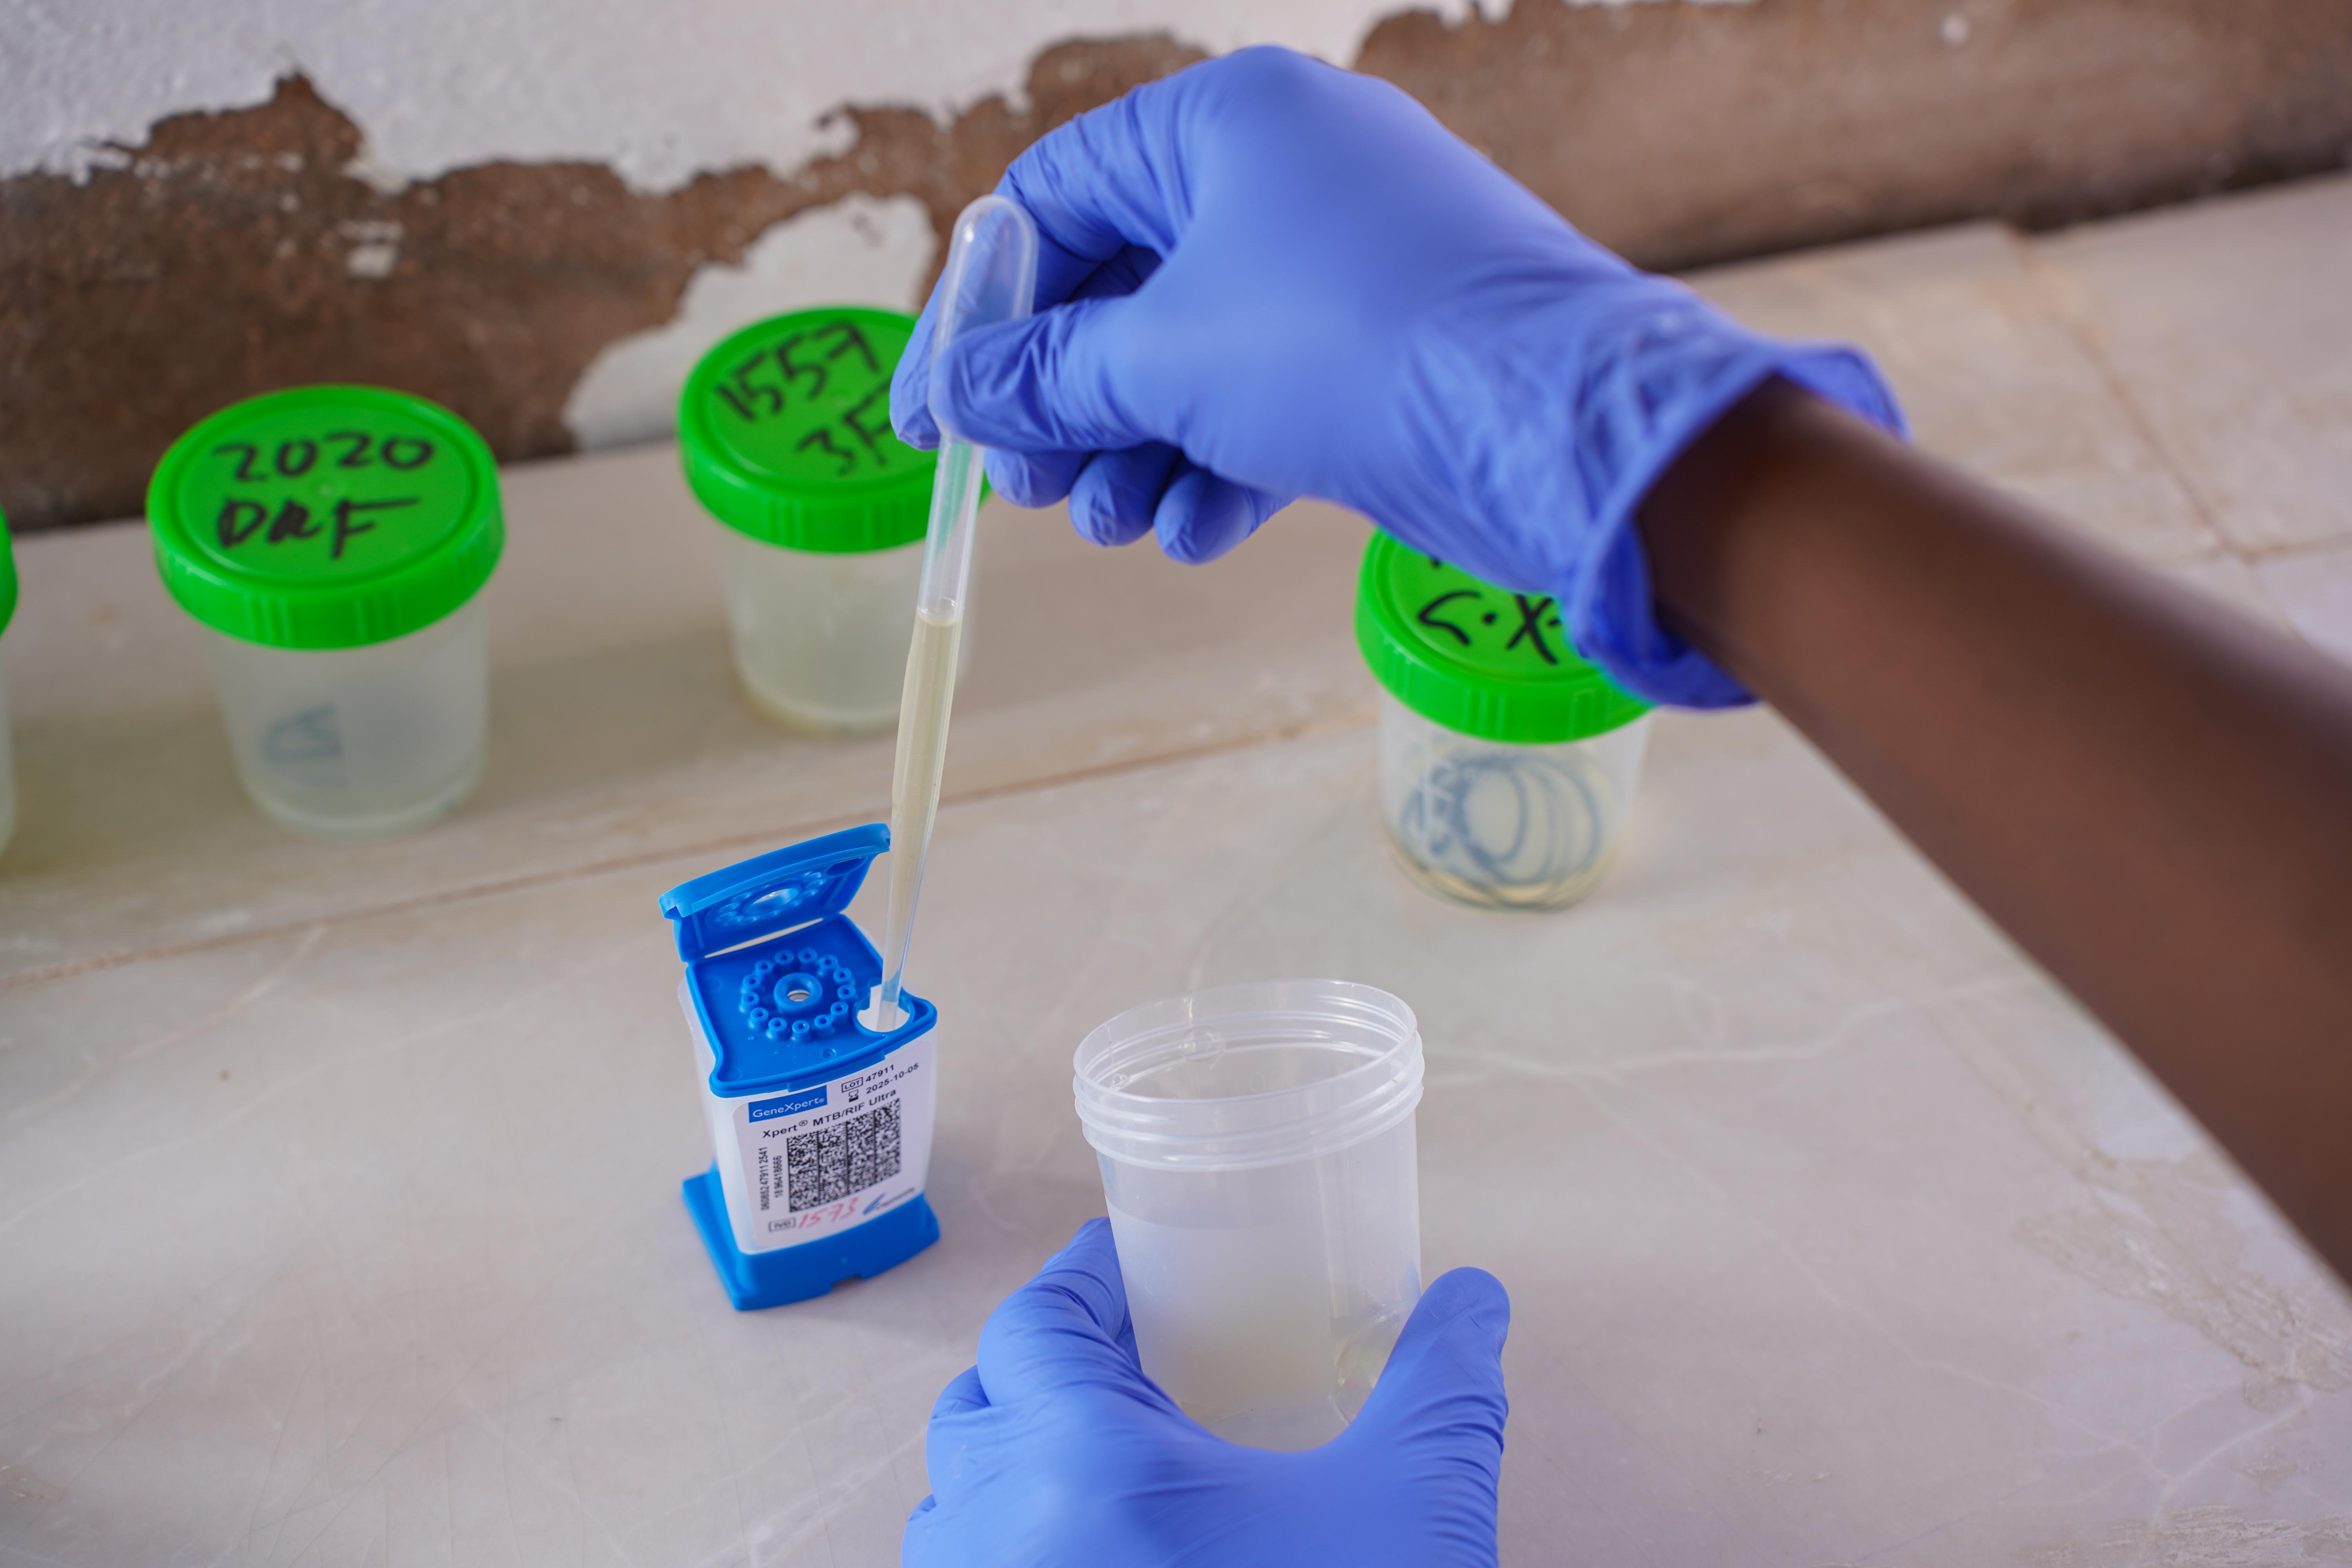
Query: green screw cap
[(326, 517), (7, 577), (784, 433), (1480, 660)]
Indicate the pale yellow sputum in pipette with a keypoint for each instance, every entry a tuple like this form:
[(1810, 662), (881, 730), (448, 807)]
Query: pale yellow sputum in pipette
[(991, 277)]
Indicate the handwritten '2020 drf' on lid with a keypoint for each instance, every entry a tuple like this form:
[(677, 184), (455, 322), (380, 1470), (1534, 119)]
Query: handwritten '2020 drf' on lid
[(333, 542)]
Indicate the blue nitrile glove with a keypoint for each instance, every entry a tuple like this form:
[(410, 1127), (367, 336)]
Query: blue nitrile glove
[(1281, 280), (1057, 1452)]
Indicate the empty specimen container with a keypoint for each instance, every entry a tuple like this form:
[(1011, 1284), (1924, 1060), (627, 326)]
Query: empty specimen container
[(1257, 1145), (784, 433), (821, 1127), (333, 541), (1508, 764)]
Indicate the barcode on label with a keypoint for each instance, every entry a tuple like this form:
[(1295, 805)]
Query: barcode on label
[(826, 1164)]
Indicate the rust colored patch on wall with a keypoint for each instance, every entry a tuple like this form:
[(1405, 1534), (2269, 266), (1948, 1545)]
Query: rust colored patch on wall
[(236, 254), (1686, 134)]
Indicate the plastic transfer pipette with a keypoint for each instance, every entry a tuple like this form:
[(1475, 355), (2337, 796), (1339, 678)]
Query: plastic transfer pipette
[(991, 277)]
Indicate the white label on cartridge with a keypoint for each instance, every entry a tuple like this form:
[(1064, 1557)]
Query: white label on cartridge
[(835, 1154)]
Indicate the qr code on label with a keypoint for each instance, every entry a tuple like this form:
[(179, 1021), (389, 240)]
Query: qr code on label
[(826, 1164)]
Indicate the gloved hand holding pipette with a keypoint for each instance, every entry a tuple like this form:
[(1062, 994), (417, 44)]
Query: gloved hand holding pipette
[(1057, 1452), (991, 277), (1278, 279), (1263, 278)]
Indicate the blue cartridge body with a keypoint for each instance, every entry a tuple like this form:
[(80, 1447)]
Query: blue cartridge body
[(821, 1127)]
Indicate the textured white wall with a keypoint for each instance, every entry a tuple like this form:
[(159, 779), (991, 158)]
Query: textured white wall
[(658, 88), (859, 251)]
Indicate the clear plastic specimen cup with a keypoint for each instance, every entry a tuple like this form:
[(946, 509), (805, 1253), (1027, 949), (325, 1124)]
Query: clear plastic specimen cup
[(784, 433), (333, 541), (1508, 764), (1256, 1145)]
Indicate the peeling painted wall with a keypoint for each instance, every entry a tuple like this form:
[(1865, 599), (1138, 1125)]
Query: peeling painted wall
[(658, 92), (875, 250), (540, 211)]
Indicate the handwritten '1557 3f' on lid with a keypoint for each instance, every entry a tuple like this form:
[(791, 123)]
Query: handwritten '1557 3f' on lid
[(784, 430), (333, 541)]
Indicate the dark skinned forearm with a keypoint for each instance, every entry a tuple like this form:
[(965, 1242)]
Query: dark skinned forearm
[(2151, 795)]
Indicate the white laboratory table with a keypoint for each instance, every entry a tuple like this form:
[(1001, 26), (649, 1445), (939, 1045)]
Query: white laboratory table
[(339, 1208)]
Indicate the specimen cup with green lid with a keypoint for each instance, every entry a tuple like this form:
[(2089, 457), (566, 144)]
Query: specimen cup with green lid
[(783, 431), (326, 517), (335, 541), (1507, 762)]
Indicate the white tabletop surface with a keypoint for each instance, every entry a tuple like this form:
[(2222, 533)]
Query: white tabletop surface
[(339, 1209)]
